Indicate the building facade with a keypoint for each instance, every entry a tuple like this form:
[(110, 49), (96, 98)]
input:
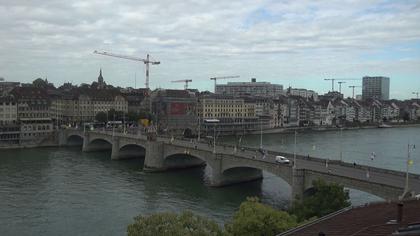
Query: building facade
[(376, 87), (254, 88)]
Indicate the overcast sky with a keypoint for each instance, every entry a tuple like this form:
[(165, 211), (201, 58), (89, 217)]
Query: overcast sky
[(294, 43)]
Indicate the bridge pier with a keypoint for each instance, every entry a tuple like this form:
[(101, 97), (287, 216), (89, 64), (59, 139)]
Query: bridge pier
[(298, 184), (115, 153), (62, 139), (85, 146), (154, 159)]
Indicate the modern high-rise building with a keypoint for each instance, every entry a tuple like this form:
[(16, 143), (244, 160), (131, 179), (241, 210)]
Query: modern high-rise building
[(376, 87)]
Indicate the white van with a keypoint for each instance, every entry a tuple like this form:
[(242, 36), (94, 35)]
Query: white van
[(282, 160)]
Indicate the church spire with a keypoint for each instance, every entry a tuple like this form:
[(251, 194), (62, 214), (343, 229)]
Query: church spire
[(100, 78)]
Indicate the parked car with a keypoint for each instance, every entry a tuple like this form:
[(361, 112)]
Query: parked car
[(282, 160)]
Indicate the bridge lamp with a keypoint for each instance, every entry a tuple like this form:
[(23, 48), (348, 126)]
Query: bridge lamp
[(410, 148)]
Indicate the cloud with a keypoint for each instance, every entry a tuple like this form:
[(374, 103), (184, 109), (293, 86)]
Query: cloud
[(53, 36)]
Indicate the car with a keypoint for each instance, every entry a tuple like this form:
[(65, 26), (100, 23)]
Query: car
[(282, 160)]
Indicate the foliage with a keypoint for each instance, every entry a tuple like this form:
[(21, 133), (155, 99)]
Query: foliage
[(255, 218), (115, 115), (101, 117), (327, 198), (40, 83), (172, 224)]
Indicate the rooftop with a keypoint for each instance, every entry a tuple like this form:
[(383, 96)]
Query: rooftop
[(371, 219)]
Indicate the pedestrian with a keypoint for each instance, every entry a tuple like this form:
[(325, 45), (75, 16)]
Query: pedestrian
[(354, 164)]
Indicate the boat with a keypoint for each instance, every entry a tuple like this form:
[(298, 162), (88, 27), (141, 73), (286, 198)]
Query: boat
[(384, 126)]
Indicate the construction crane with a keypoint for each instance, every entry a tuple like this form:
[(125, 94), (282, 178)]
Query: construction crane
[(146, 61), (337, 79), (339, 85), (222, 77), (354, 86), (186, 81)]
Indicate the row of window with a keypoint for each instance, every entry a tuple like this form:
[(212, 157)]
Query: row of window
[(35, 127)]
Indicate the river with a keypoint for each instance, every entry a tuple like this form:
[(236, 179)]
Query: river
[(63, 191)]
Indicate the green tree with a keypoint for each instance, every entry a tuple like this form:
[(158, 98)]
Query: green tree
[(326, 198), (255, 218), (101, 116), (172, 224)]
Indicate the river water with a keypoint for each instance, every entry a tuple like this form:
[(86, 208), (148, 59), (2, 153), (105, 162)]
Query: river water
[(63, 191)]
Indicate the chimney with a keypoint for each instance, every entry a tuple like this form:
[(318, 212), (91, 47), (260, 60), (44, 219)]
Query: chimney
[(400, 212), (253, 80)]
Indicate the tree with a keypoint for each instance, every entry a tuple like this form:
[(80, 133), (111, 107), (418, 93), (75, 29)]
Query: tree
[(39, 83), (326, 198), (101, 117), (255, 218), (170, 224)]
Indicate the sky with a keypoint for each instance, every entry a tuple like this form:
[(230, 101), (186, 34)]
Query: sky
[(295, 43)]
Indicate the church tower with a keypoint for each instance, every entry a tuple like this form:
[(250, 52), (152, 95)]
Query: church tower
[(101, 82), (100, 78)]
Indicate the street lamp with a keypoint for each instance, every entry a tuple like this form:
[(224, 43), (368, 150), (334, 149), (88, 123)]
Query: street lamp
[(417, 94), (341, 145), (294, 152), (409, 148)]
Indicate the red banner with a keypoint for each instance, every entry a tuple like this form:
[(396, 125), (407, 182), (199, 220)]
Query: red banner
[(178, 108)]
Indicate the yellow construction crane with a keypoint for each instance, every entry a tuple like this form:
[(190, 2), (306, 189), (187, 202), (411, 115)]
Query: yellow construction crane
[(354, 86), (222, 77), (337, 79), (146, 61), (186, 81)]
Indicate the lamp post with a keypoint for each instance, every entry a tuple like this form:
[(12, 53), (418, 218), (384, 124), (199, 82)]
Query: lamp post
[(341, 144), (417, 94), (214, 138), (409, 148), (261, 133), (294, 152), (199, 127)]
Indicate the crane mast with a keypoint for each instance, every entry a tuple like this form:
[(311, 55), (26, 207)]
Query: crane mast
[(338, 79), (354, 86)]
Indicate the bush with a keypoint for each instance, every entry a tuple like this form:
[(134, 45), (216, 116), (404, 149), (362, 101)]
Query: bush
[(327, 198), (172, 224), (255, 218)]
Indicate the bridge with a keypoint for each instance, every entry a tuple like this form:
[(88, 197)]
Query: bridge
[(230, 166)]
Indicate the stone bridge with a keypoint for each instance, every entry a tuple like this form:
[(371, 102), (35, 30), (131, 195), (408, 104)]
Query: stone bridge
[(230, 166)]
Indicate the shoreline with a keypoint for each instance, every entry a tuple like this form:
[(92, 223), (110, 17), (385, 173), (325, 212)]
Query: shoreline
[(325, 129), (283, 130)]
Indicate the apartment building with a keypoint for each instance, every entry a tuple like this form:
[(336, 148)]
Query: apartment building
[(9, 127), (33, 107), (376, 87)]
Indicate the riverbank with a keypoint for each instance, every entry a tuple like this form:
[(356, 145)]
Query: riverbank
[(325, 129)]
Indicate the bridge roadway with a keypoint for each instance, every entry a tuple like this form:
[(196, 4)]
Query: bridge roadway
[(248, 164)]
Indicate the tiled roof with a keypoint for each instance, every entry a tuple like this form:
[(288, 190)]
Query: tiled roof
[(373, 219)]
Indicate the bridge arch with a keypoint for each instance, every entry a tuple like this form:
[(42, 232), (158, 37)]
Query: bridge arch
[(74, 140), (184, 159), (97, 144), (282, 171), (131, 150)]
